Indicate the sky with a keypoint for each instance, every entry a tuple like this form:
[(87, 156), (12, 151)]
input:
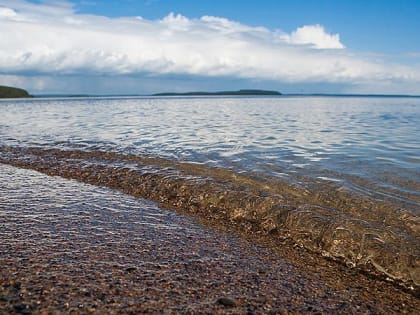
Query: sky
[(151, 46)]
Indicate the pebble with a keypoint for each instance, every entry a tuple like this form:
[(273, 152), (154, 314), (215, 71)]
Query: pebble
[(130, 269), (226, 301)]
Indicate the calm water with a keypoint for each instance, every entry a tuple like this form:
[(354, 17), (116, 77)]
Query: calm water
[(369, 144)]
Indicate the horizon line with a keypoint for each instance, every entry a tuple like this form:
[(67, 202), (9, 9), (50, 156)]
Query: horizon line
[(181, 94)]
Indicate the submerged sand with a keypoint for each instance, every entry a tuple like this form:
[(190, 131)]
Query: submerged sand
[(67, 247), (359, 231)]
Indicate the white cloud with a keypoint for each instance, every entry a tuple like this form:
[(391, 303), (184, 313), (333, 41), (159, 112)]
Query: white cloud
[(53, 39), (7, 13), (315, 36)]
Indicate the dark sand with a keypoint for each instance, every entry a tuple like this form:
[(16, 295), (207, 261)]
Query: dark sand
[(67, 247)]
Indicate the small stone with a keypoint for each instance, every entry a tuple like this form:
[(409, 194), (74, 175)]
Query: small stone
[(130, 269), (264, 193), (250, 311), (278, 311), (226, 301), (21, 309), (17, 286)]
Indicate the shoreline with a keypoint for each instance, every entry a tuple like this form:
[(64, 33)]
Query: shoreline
[(99, 250), (247, 206)]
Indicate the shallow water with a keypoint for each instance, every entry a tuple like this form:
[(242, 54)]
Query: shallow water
[(68, 247), (51, 202), (338, 175)]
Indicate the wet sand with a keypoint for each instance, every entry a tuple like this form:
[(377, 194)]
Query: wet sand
[(67, 247)]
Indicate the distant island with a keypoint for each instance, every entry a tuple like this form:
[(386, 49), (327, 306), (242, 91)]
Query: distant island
[(222, 93), (12, 92)]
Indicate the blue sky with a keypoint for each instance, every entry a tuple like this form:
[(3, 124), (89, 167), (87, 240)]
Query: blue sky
[(146, 46), (387, 26)]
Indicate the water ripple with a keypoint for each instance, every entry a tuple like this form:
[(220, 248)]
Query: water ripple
[(362, 137)]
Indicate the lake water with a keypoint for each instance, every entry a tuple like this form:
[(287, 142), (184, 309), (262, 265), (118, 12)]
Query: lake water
[(366, 146), (336, 138)]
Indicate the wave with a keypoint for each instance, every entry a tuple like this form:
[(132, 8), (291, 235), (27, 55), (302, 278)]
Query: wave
[(359, 231)]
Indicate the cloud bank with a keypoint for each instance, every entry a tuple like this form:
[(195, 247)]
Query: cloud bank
[(53, 39)]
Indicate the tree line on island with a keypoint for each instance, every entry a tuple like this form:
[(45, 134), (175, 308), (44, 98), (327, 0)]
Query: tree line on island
[(221, 93), (13, 92)]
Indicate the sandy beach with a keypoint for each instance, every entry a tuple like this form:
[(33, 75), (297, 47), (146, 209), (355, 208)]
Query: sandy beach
[(68, 247)]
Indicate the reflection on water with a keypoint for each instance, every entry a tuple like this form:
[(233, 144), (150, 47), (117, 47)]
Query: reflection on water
[(342, 138)]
